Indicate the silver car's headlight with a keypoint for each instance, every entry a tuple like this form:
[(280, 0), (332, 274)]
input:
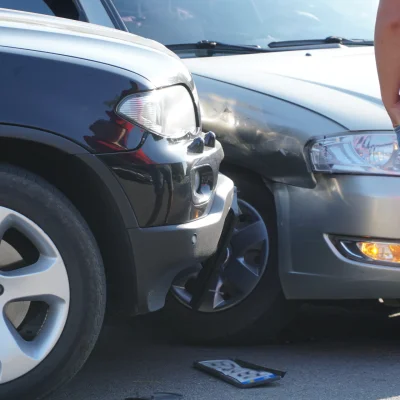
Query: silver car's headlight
[(366, 153), (167, 112)]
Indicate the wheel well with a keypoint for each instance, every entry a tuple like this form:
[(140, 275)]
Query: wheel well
[(253, 184), (83, 187), (240, 173)]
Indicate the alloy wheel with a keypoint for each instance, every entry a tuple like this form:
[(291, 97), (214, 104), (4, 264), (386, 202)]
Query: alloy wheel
[(34, 295), (244, 265)]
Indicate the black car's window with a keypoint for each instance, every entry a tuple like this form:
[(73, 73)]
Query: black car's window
[(58, 8), (250, 22)]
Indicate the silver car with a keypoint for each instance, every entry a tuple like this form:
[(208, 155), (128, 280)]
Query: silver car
[(290, 88)]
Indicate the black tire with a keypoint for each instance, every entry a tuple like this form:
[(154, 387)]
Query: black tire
[(264, 313), (43, 204)]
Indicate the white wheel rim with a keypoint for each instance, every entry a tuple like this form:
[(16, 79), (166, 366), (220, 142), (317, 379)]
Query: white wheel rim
[(46, 281)]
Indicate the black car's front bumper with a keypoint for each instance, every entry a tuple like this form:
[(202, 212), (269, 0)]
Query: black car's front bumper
[(180, 202), (158, 179), (162, 252)]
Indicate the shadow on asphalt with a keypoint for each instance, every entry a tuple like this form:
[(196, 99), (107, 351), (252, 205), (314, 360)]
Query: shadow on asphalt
[(352, 322), (329, 353), (363, 322)]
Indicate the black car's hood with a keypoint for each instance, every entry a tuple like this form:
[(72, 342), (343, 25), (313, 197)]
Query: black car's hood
[(341, 84), (91, 42)]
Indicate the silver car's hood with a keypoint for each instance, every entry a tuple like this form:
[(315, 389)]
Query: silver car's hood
[(341, 83)]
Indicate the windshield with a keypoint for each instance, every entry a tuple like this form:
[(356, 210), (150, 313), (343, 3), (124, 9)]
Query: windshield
[(248, 22)]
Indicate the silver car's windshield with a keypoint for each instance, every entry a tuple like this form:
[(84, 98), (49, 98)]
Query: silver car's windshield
[(248, 22)]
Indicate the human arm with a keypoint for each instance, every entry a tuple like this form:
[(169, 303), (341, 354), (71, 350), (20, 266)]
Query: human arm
[(387, 50)]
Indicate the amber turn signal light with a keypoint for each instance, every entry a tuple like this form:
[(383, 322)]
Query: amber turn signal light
[(380, 251)]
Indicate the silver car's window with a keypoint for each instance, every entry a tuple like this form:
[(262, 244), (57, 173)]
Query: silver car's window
[(248, 21)]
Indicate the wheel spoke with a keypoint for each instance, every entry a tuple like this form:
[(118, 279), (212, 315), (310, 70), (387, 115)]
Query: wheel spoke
[(248, 237), (5, 221), (218, 296), (239, 275), (208, 298), (14, 357), (211, 301), (44, 280)]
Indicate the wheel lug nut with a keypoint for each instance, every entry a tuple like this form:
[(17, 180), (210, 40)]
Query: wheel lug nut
[(1, 289)]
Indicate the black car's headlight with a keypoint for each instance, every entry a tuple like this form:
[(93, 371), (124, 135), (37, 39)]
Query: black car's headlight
[(168, 112), (362, 153)]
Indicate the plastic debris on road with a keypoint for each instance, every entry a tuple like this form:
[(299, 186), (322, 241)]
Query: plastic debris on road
[(240, 373)]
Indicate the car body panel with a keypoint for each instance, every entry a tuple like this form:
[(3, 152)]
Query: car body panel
[(163, 180), (89, 54), (340, 84), (92, 42), (260, 132), (342, 205), (165, 250), (90, 106)]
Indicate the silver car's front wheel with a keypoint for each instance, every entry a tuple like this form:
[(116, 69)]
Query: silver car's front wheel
[(40, 289), (245, 302), (242, 270), (52, 287)]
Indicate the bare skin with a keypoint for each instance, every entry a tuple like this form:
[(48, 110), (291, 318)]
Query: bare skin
[(387, 50)]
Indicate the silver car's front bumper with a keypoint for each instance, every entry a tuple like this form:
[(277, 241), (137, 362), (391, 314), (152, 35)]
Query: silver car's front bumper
[(355, 206)]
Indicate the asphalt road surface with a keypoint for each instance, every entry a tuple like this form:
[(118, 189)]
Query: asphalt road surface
[(328, 354)]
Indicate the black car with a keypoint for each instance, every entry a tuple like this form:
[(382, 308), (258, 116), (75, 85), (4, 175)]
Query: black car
[(108, 188)]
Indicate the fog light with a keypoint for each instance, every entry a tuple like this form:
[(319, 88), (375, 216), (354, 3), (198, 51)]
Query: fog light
[(202, 184), (373, 252), (380, 251)]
